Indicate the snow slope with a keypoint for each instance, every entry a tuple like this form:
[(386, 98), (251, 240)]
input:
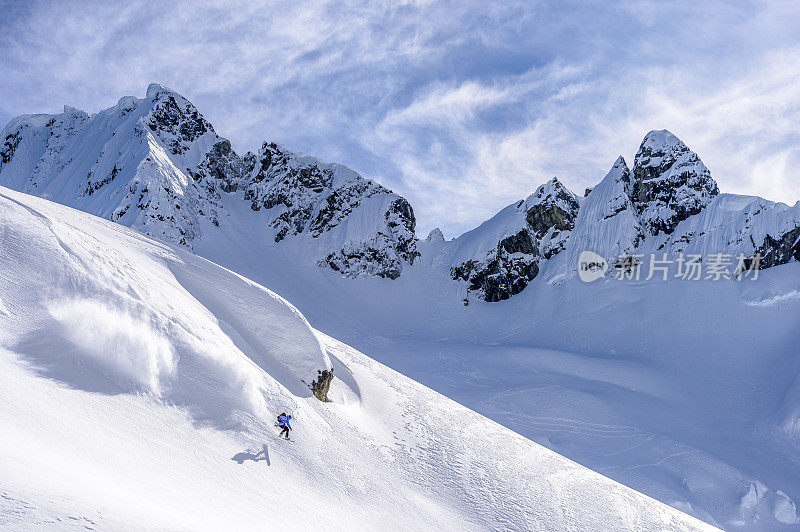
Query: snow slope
[(139, 384), (686, 391)]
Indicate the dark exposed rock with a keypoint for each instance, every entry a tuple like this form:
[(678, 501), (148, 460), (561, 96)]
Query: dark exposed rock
[(542, 217), (498, 279), (177, 124), (322, 384), (549, 214), (506, 272), (222, 167), (780, 250), (316, 197), (518, 243), (10, 144), (93, 186)]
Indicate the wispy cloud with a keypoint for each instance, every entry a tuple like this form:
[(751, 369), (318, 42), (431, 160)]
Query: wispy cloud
[(462, 107)]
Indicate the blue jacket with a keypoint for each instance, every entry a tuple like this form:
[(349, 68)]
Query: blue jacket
[(284, 420)]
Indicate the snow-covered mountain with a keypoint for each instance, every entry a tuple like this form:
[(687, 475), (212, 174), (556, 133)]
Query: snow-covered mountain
[(156, 165), (139, 384), (685, 390), (668, 204)]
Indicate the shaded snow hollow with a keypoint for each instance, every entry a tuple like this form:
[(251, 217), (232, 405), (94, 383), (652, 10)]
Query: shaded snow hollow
[(140, 383)]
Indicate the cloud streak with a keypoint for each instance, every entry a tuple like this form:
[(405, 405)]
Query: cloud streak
[(462, 107)]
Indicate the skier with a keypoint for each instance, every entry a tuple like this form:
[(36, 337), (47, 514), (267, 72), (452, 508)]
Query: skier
[(283, 422)]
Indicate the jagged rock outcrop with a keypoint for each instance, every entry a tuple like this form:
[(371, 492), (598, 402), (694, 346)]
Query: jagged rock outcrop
[(157, 165), (780, 249), (322, 385), (307, 196), (435, 235), (505, 272), (668, 204), (175, 120), (222, 168)]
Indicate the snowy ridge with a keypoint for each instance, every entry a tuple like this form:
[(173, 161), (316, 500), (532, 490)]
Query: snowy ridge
[(686, 391), (143, 381), (608, 223), (373, 228), (126, 163)]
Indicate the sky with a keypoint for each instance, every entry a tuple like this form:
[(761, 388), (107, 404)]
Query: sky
[(462, 107)]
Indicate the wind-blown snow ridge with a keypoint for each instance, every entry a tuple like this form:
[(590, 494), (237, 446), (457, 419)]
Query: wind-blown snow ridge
[(123, 361)]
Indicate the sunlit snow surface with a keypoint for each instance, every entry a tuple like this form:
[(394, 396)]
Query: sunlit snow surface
[(138, 385)]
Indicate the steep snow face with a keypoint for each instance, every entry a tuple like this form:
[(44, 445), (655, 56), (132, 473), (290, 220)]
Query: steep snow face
[(607, 223), (373, 227), (500, 258), (139, 384), (671, 183), (157, 165)]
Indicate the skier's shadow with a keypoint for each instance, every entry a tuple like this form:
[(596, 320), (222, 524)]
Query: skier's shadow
[(260, 456)]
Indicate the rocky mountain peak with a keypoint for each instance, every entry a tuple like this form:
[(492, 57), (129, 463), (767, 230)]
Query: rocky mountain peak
[(74, 111), (530, 232), (155, 90), (435, 235), (306, 196), (551, 207), (156, 164), (619, 177), (175, 119), (671, 183)]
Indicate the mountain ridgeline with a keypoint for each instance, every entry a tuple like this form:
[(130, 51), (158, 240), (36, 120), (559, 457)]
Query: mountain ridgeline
[(157, 165)]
